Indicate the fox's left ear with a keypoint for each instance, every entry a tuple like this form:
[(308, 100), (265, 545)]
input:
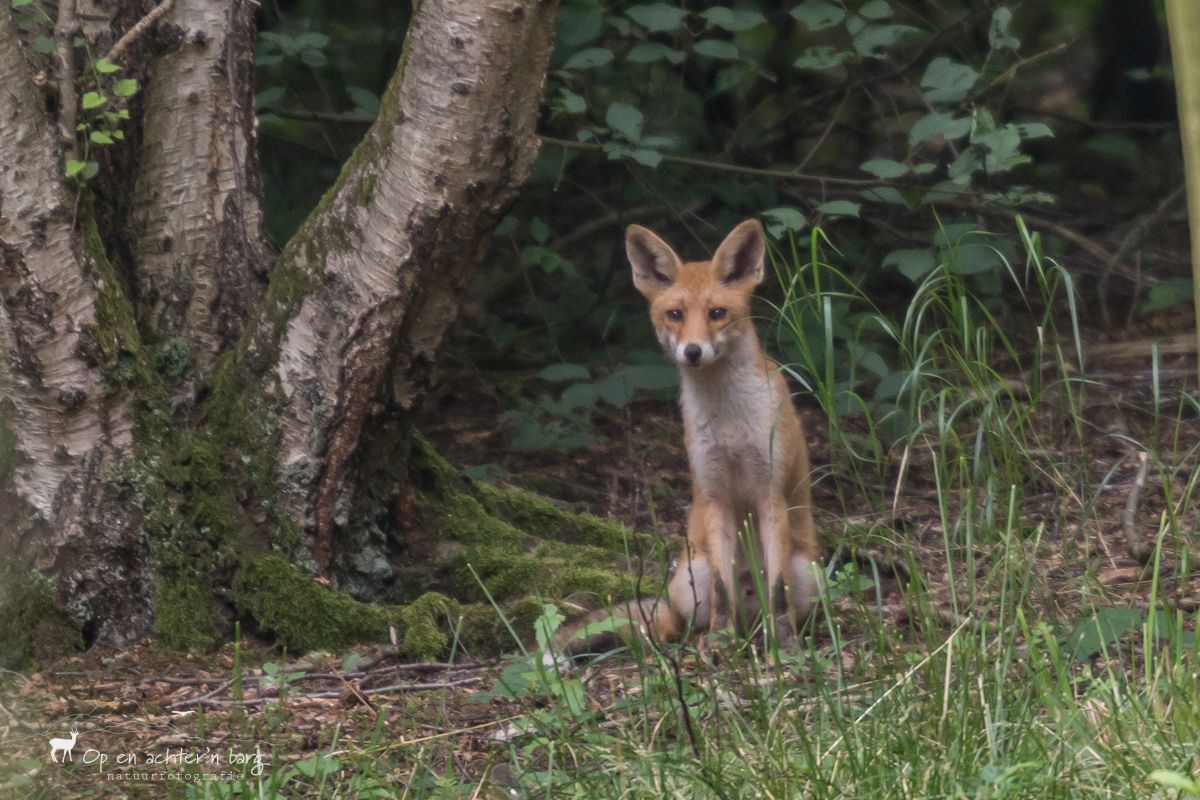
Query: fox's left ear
[(739, 259)]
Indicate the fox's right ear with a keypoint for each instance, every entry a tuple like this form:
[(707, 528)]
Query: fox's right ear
[(654, 262)]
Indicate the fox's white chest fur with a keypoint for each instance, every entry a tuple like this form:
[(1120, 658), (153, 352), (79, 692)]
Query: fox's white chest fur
[(730, 410)]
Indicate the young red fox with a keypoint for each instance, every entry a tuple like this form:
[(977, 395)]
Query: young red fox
[(746, 450)]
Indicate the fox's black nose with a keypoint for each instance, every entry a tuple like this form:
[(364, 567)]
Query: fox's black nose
[(692, 353)]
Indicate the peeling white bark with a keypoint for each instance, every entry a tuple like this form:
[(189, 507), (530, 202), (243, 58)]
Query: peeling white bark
[(70, 431), (384, 263), (392, 250), (196, 219), (49, 301)]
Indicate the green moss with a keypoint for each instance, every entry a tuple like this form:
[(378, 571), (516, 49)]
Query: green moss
[(184, 615), (428, 621), (304, 614), (518, 545), (171, 358), (33, 628), (366, 190), (531, 513)]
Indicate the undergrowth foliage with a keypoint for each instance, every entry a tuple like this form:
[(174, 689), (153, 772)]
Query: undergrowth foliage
[(993, 679), (968, 643)]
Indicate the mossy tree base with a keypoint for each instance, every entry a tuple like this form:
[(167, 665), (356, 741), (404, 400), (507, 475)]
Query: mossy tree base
[(481, 544)]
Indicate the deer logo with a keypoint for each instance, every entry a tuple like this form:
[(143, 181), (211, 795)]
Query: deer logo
[(65, 745)]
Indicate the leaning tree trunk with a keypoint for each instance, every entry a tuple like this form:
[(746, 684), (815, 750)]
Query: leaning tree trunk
[(172, 403)]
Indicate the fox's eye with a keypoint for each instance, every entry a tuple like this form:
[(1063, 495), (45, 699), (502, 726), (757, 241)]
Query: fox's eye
[(716, 314), (674, 315)]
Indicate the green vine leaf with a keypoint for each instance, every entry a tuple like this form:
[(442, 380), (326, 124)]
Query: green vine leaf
[(658, 17), (106, 67), (734, 21), (818, 14), (590, 58), (716, 48), (93, 100), (126, 87), (625, 120)]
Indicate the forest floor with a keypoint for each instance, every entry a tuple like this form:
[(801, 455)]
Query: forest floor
[(142, 714)]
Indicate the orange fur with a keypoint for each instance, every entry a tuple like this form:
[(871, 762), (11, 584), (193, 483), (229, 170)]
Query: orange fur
[(746, 449)]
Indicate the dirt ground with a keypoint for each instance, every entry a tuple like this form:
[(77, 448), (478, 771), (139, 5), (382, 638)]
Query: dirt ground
[(150, 703)]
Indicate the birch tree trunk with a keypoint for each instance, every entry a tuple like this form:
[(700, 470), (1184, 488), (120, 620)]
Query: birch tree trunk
[(174, 401)]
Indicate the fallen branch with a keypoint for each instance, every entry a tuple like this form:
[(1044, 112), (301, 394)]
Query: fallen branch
[(209, 699)]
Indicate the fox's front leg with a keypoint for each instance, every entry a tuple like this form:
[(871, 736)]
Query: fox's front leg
[(720, 530)]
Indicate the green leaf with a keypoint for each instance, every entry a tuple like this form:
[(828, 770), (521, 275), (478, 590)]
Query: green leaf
[(93, 100), (311, 40), (1171, 292), (1003, 149), (657, 17), (998, 35), (507, 226), (873, 38), (649, 52), (1174, 780), (579, 26), (100, 137), (716, 48), (885, 194), (818, 14), (43, 44), (615, 389), (939, 123), (364, 99), (106, 67), (947, 81), (21, 3), (90, 169), (651, 377), (875, 9), (314, 58), (580, 395), (913, 264), (564, 372), (1034, 130), (545, 626), (539, 230), (781, 220), (625, 120), (571, 102), (823, 57), (884, 168), (975, 258), (733, 20), (269, 96), (126, 87), (647, 157), (839, 208), (589, 58), (74, 167), (1101, 629)]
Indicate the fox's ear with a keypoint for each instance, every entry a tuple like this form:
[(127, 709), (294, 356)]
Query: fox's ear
[(739, 259), (654, 262)]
